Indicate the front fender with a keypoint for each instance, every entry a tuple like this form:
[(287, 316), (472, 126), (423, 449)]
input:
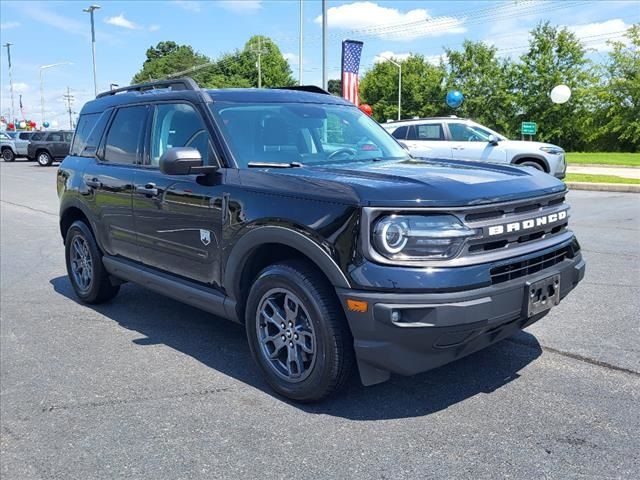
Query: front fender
[(281, 235)]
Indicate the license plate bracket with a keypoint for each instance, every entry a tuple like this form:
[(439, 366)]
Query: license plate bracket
[(542, 294)]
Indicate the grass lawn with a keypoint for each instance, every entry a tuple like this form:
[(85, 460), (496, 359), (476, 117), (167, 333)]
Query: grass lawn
[(583, 177), (603, 158)]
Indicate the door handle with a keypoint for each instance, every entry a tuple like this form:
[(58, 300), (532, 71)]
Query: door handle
[(93, 183), (150, 190)]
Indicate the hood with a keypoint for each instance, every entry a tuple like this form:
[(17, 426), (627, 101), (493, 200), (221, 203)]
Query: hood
[(409, 183), (525, 145)]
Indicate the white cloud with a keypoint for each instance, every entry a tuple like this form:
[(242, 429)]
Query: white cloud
[(9, 25), (154, 28), (240, 6), (190, 6), (121, 21), (595, 35), (370, 19), (291, 57), (19, 87), (386, 55)]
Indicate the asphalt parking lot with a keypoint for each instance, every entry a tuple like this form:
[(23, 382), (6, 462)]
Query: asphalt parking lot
[(146, 387)]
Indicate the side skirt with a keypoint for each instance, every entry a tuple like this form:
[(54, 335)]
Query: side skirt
[(191, 293)]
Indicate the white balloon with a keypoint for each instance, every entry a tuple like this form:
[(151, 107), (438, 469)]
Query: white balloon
[(560, 94), (55, 124)]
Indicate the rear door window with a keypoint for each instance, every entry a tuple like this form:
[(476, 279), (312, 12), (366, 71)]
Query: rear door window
[(426, 131), (124, 139), (54, 137)]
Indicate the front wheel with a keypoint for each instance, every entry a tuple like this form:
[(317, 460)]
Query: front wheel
[(535, 165), (88, 276), (297, 332), (44, 159), (8, 155)]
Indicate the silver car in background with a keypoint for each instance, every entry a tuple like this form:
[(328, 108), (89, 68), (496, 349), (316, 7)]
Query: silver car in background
[(463, 139)]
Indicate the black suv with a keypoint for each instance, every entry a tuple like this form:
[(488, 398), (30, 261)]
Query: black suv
[(295, 214), (49, 147)]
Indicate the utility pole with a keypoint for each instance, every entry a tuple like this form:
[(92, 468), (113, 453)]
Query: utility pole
[(325, 84), (259, 51), (69, 99), (399, 65), (90, 11), (300, 48), (8, 45)]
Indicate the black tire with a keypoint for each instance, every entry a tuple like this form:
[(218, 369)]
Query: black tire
[(99, 289), (531, 163), (44, 159), (334, 356), (8, 155)]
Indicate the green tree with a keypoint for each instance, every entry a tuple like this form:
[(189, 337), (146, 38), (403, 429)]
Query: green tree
[(483, 79), (555, 56), (168, 58), (422, 91), (335, 87), (617, 120), (239, 69)]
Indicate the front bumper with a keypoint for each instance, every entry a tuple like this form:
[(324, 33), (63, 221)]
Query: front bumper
[(437, 328)]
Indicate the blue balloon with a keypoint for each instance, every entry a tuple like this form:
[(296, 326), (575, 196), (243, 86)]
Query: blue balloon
[(454, 98), (45, 124)]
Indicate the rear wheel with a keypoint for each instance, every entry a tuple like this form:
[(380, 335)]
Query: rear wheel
[(8, 155), (88, 276), (44, 159), (297, 332)]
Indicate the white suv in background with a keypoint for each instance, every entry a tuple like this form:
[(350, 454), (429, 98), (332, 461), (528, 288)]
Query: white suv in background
[(462, 139)]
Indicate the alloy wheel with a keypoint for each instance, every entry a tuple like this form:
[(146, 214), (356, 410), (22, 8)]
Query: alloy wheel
[(285, 333), (81, 263)]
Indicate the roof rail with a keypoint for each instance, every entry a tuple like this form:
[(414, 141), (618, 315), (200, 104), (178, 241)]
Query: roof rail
[(184, 83), (305, 88)]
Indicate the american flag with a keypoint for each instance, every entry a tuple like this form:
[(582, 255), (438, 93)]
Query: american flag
[(351, 51)]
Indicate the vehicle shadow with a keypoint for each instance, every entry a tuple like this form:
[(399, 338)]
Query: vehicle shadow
[(222, 345)]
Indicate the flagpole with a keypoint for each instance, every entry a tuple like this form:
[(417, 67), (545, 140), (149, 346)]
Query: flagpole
[(325, 84)]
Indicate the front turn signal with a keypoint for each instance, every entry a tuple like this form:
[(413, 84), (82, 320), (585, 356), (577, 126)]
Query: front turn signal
[(357, 305)]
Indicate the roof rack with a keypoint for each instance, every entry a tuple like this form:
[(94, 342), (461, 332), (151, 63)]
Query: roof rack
[(184, 83), (305, 88)]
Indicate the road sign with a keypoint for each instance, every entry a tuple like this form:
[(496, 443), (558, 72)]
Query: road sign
[(529, 128)]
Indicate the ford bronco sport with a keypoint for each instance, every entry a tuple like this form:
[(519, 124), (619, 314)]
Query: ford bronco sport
[(292, 212)]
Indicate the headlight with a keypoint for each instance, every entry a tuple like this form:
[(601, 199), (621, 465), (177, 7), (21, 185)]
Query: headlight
[(419, 237), (552, 150)]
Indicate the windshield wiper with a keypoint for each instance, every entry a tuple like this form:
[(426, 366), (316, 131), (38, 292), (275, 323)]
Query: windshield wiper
[(274, 165)]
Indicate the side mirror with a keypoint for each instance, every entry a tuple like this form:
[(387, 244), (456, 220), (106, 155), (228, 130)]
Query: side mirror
[(180, 161), (493, 140)]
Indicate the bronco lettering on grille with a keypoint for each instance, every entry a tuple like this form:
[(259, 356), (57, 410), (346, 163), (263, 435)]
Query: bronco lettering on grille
[(527, 224)]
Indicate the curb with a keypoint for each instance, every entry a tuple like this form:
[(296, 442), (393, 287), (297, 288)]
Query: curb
[(604, 187), (599, 165)]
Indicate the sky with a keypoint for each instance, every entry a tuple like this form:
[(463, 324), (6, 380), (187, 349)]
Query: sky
[(48, 32)]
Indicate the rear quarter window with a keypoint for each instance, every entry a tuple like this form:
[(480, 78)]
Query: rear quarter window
[(88, 133)]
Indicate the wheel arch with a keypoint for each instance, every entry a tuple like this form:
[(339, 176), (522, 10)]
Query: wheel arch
[(267, 245), (532, 157), (70, 214)]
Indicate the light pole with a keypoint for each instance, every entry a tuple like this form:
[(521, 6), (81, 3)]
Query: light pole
[(42, 68), (90, 11), (399, 84), (8, 45), (300, 47)]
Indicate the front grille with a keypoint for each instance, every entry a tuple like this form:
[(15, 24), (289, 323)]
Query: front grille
[(523, 268), (484, 219)]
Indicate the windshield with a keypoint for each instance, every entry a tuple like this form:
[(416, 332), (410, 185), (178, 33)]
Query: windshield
[(311, 134)]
